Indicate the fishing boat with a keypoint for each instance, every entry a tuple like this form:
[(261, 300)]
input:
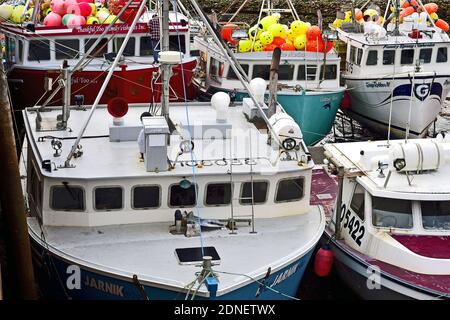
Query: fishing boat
[(397, 74), (309, 84), (390, 227), (35, 51), (217, 207)]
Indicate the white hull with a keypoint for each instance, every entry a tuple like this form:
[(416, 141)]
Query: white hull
[(371, 101)]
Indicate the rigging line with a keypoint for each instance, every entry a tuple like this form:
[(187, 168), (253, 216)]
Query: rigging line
[(392, 93), (264, 285), (411, 101), (197, 209)]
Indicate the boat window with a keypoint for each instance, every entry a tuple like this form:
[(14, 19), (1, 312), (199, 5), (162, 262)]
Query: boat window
[(425, 55), (261, 71), (330, 72), (441, 55), (391, 213), (145, 197), (100, 49), (177, 43), (129, 48), (352, 57), (359, 57), (20, 57), (312, 69), (67, 198), (357, 204), (259, 192), (290, 190), (218, 194), (407, 56), (35, 189), (372, 58), (39, 50), (108, 198), (436, 215), (356, 55), (67, 49), (180, 197), (216, 69), (146, 48), (10, 50), (232, 76), (285, 72), (388, 57)]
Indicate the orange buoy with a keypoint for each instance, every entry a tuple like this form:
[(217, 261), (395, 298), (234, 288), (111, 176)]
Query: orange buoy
[(278, 41), (407, 12), (323, 261), (270, 47), (287, 47), (431, 7), (441, 24), (226, 31)]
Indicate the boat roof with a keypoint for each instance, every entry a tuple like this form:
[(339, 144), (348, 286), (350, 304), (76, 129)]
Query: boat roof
[(430, 37), (427, 185), (148, 250), (177, 23), (101, 155)]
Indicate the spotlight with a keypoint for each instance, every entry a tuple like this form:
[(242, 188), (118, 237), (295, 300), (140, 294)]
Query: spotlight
[(399, 164)]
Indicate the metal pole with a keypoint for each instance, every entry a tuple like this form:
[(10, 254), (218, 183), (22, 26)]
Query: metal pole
[(17, 241), (105, 84), (165, 68), (226, 52), (339, 202), (273, 83), (67, 79)]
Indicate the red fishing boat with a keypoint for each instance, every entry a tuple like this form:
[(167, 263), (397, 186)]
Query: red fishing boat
[(34, 53)]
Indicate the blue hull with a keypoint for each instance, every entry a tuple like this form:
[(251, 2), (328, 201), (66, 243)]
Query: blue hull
[(314, 112), (53, 276)]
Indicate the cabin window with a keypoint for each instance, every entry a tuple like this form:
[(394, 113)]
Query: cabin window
[(311, 69), (145, 197), (218, 194), (216, 69), (177, 43), (435, 215), (330, 72), (372, 58), (100, 49), (357, 204), (356, 55), (108, 198), (425, 55), (39, 50), (34, 188), (285, 72), (180, 197), (129, 48), (10, 50), (407, 56), (388, 57), (352, 57), (359, 57), (146, 48), (67, 49), (67, 198), (441, 55), (20, 57), (261, 71), (391, 213), (290, 190), (232, 76), (259, 192)]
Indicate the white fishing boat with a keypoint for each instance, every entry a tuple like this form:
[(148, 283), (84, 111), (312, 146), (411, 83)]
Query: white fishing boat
[(390, 229), (398, 76), (106, 224)]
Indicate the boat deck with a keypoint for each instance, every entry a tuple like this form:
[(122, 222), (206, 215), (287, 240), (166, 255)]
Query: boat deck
[(125, 250)]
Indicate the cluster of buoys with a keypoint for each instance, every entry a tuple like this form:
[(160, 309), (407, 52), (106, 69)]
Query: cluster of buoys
[(70, 13), (408, 7), (269, 34)]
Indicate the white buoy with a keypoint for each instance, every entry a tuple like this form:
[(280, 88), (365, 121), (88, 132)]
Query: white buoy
[(258, 87), (220, 101)]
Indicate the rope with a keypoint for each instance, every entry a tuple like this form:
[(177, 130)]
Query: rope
[(197, 209)]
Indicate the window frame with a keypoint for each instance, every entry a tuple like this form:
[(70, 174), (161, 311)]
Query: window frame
[(230, 70), (376, 60), (52, 187), (259, 76), (256, 203), (363, 218), (292, 200), (69, 39), (218, 205), (389, 228), (431, 54), (446, 54), (169, 197), (39, 59), (421, 222), (393, 60), (402, 56), (106, 187), (146, 185), (335, 71)]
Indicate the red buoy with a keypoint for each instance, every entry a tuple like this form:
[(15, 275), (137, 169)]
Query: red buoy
[(323, 261), (117, 107), (345, 103)]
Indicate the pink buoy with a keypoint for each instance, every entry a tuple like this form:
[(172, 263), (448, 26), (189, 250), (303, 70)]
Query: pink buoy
[(57, 6), (68, 3), (74, 9), (76, 21), (85, 9), (323, 261), (85, 1), (52, 20)]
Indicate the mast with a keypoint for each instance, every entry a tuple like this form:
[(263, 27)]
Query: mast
[(166, 69)]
